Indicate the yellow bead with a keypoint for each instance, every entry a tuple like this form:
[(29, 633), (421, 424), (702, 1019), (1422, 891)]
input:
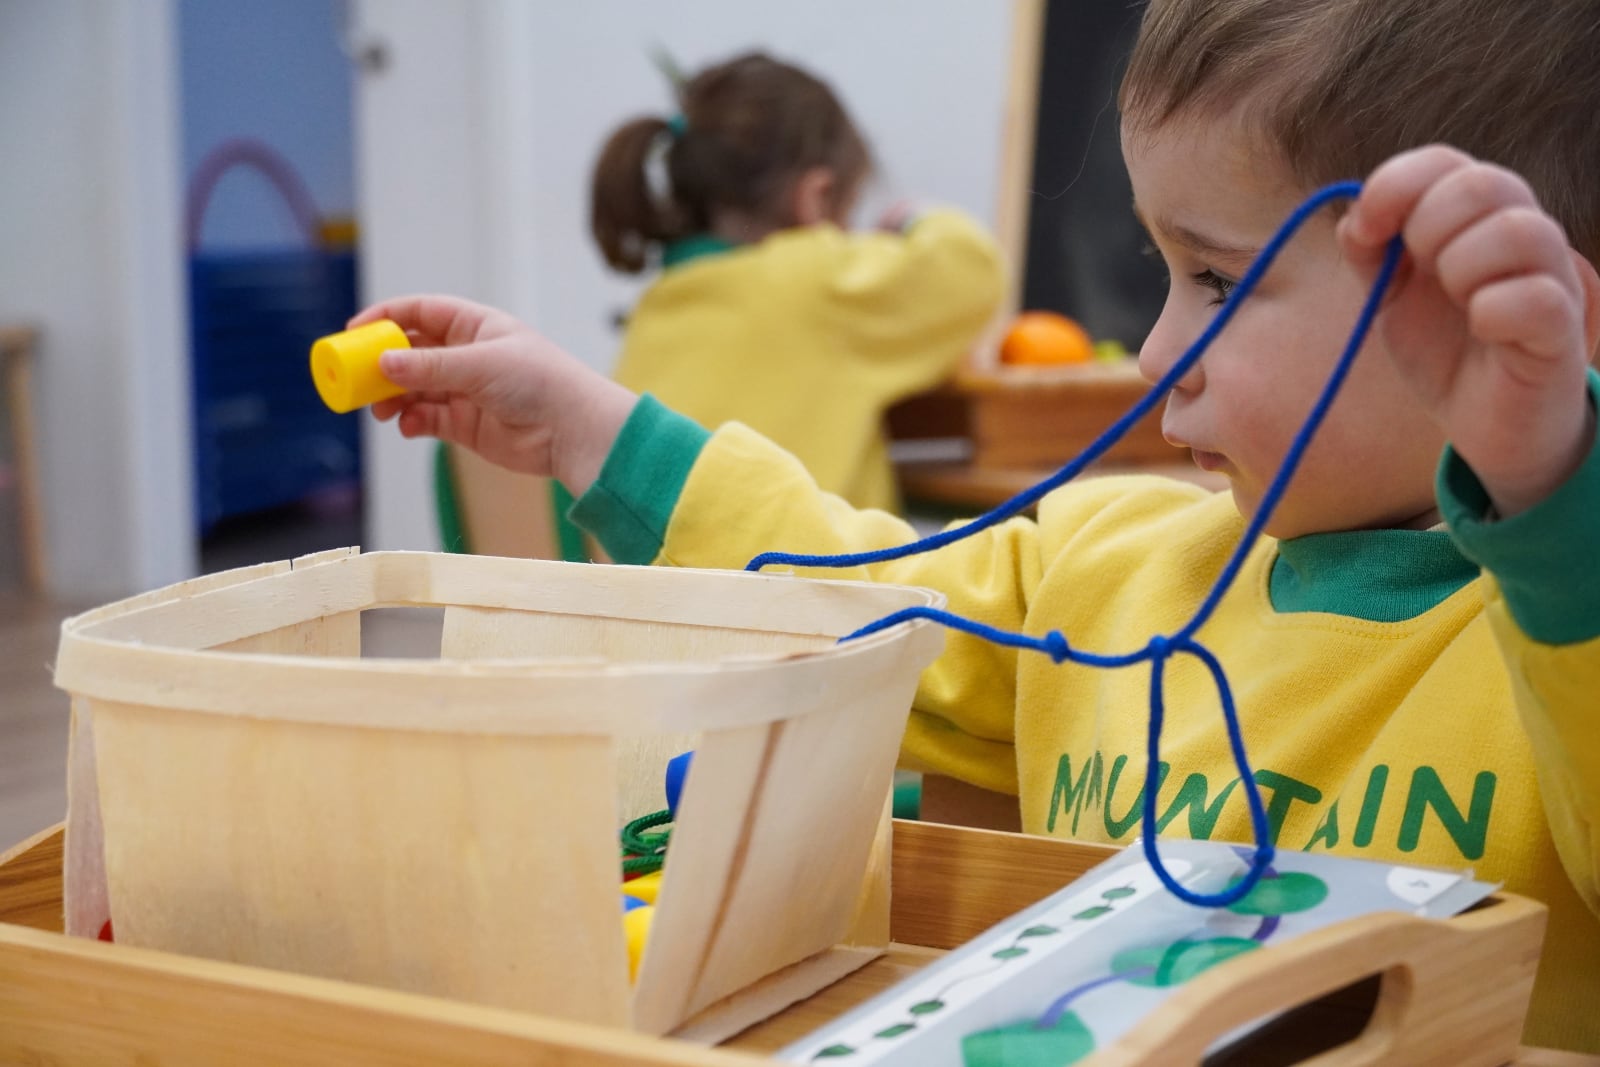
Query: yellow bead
[(636, 927), (646, 887), (344, 366)]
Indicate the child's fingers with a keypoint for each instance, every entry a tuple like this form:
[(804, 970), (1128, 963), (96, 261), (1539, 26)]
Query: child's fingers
[(384, 410), (1393, 190), (1535, 313), (454, 422), (439, 320), (1458, 201), (445, 371), (370, 313), (1511, 242)]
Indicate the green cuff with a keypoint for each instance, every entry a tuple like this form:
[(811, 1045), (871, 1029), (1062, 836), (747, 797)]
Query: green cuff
[(628, 506), (1544, 558)]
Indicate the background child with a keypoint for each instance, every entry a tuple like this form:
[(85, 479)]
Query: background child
[(1416, 648), (767, 311)]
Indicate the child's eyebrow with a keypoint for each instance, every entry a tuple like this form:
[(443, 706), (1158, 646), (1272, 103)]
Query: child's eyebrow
[(1197, 242)]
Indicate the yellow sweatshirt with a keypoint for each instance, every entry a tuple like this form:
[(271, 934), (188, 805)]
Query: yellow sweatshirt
[(1397, 701), (811, 334)]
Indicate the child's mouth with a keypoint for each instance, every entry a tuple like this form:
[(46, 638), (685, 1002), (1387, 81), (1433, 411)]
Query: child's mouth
[(1208, 461)]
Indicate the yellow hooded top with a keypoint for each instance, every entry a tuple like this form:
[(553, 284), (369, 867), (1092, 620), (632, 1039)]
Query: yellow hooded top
[(809, 335)]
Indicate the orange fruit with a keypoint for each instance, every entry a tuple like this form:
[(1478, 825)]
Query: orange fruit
[(1044, 338)]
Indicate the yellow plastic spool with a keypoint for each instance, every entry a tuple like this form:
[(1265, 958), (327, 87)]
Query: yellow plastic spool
[(344, 366)]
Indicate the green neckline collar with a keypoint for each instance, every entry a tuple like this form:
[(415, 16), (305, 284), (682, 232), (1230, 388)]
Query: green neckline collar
[(695, 246), (1376, 575)]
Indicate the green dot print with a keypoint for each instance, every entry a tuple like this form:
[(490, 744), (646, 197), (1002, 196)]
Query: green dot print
[(1027, 1045), (1170, 965), (1290, 892)]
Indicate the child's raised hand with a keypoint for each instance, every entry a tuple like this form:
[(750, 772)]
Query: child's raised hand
[(897, 216), (1493, 318), (479, 378)]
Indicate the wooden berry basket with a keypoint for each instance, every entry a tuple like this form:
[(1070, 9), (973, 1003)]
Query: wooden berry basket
[(1450, 993), (1038, 417), (245, 788)]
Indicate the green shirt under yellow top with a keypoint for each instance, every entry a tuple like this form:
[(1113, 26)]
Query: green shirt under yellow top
[(1425, 696), (809, 335)]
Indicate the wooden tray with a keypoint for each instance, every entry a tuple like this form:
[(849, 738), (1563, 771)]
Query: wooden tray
[(1405, 991)]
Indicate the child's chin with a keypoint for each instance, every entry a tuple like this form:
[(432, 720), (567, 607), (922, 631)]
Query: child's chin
[(1248, 500), (1245, 499)]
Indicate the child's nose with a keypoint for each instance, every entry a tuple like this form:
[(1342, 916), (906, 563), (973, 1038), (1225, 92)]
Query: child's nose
[(1161, 350)]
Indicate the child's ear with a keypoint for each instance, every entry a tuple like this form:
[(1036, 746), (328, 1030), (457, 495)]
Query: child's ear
[(812, 198), (1589, 279)]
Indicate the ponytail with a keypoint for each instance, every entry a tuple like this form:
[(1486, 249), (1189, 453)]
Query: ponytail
[(625, 216), (749, 128)]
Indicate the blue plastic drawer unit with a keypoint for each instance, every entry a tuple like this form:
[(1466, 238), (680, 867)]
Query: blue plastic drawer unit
[(262, 437)]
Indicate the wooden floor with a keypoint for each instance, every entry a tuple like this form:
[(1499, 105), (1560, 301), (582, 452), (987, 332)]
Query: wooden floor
[(33, 720)]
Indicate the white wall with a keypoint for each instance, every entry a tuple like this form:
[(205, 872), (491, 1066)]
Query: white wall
[(89, 253), (419, 140), (477, 140)]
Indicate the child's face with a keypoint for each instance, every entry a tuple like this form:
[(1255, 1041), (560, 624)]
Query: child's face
[(1210, 201)]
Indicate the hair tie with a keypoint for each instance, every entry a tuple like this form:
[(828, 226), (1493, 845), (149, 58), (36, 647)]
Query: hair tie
[(657, 178), (677, 125)]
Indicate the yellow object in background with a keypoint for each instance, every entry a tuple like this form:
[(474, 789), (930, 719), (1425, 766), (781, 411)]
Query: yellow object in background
[(344, 366), (1111, 351)]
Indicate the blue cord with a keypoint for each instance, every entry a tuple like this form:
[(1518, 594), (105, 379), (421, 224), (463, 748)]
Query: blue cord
[(1160, 648)]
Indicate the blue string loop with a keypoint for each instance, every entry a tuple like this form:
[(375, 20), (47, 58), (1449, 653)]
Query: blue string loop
[(1160, 648)]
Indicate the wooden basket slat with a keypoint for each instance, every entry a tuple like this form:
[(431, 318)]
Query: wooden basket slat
[(338, 836), (813, 853), (496, 633), (707, 851), (328, 635), (503, 633), (487, 697)]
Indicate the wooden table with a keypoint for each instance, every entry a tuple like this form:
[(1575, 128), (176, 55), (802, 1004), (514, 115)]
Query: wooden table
[(17, 345)]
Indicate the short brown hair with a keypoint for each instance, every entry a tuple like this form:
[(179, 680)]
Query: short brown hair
[(1338, 86), (750, 127)]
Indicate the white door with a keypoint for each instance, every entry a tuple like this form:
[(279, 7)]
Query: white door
[(478, 120)]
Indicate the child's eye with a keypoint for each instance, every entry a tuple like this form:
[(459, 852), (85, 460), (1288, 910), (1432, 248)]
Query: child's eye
[(1210, 279)]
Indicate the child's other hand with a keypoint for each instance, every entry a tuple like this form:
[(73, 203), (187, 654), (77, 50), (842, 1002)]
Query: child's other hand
[(897, 216), (1493, 318), (481, 379)]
